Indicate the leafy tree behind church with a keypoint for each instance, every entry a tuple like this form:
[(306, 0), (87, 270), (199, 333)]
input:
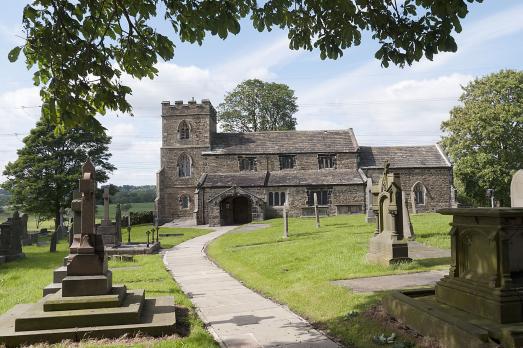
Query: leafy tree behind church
[(255, 105), (79, 50), (49, 165), (484, 136)]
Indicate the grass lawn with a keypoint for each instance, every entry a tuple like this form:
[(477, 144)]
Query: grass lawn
[(298, 271), (22, 282)]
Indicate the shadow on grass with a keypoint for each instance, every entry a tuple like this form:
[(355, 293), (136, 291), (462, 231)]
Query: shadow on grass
[(358, 327), (183, 323), (439, 261)]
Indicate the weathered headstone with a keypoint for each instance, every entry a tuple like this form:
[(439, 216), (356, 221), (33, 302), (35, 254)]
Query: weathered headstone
[(118, 224), (388, 245), (24, 218), (316, 210), (10, 238), (479, 304), (108, 230), (408, 230), (370, 216), (516, 189), (285, 222), (87, 305), (54, 240), (25, 237)]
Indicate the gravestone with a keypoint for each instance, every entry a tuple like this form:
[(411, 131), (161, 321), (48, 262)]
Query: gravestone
[(480, 302), (408, 230), (109, 231), (285, 222), (87, 305), (54, 240), (118, 224), (370, 216), (316, 210), (389, 244), (516, 189), (25, 237), (10, 238)]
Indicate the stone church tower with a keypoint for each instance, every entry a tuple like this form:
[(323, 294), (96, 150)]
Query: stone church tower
[(187, 131)]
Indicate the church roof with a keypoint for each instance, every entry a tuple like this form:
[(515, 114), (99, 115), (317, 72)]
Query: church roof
[(314, 177), (283, 178), (249, 179), (403, 156), (284, 142)]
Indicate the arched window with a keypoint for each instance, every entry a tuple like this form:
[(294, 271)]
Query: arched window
[(184, 165), (183, 130), (419, 193), (185, 201)]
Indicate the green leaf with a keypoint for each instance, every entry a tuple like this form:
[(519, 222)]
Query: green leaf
[(14, 53)]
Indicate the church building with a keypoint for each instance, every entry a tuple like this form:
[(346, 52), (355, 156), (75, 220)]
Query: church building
[(234, 178)]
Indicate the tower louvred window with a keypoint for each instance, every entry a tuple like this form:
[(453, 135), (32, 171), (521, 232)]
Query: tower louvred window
[(183, 130)]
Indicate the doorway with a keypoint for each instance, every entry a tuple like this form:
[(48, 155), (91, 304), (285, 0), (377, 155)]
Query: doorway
[(235, 210)]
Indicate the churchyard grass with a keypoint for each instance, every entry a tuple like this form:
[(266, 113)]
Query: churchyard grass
[(22, 282), (297, 271)]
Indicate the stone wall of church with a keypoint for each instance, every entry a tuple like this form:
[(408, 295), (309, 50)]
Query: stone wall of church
[(437, 181)]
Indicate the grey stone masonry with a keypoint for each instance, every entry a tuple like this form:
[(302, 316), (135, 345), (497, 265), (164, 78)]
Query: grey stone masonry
[(281, 167)]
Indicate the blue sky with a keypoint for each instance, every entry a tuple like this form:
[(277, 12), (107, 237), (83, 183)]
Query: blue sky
[(384, 106)]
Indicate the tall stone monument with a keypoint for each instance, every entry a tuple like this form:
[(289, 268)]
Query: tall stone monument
[(389, 244), (370, 215), (87, 305), (110, 232), (10, 238), (408, 230), (480, 302), (516, 189)]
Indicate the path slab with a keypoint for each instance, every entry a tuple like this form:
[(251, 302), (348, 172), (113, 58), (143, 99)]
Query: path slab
[(393, 282), (235, 315)]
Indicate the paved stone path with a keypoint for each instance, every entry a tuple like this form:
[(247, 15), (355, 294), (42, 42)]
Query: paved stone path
[(392, 282), (235, 315)]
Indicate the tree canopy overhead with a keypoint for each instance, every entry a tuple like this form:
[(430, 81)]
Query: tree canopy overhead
[(80, 48), (255, 106), (49, 166), (484, 136)]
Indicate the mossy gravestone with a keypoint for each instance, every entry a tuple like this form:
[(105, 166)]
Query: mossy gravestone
[(11, 232), (389, 244), (86, 304), (480, 302)]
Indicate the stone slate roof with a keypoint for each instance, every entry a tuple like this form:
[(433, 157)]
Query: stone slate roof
[(250, 179), (284, 142), (314, 177), (402, 156), (284, 178)]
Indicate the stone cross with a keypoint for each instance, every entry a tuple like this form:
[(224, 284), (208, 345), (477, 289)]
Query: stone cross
[(316, 210), (106, 220), (118, 224), (88, 189), (285, 221), (516, 190)]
